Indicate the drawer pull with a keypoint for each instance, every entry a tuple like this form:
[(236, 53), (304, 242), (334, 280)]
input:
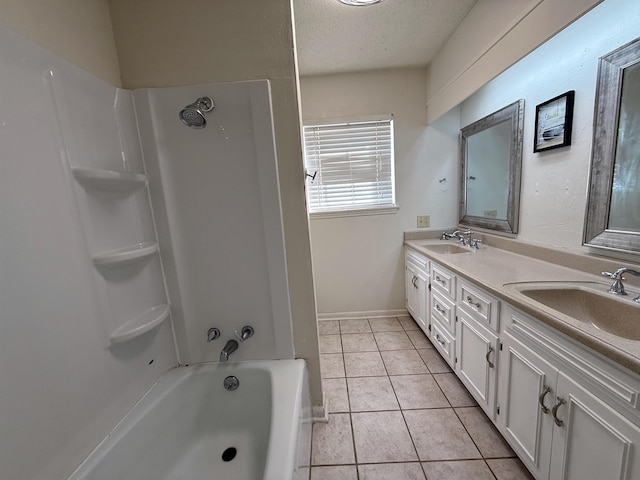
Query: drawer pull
[(440, 340), (440, 309), (441, 281), (554, 411), (544, 408), (471, 302), (487, 357)]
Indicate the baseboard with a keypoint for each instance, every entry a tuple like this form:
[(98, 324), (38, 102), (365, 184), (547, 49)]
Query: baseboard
[(365, 314), (320, 413)]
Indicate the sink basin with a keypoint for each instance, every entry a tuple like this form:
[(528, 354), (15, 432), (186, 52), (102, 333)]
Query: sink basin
[(620, 317), (446, 248)]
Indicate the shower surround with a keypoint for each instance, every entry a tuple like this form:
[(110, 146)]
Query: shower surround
[(85, 328)]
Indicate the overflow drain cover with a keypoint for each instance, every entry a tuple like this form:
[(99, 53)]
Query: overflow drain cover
[(229, 454)]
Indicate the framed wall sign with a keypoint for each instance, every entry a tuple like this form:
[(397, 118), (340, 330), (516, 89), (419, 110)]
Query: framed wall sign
[(554, 119)]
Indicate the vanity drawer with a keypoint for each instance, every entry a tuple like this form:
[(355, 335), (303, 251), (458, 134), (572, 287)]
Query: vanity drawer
[(417, 260), (444, 342), (444, 281), (443, 310), (479, 305)]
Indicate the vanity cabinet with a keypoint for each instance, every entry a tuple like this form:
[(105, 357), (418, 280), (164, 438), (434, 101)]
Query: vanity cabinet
[(557, 404), (416, 288), (568, 412), (477, 344)]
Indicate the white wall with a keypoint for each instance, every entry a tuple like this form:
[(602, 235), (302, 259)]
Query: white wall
[(358, 261), (217, 208), (63, 386), (167, 43), (554, 183)]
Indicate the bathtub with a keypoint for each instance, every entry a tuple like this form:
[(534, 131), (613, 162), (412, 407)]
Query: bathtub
[(189, 427)]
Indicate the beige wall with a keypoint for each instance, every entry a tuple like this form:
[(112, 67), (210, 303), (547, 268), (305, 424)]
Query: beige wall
[(494, 35), (169, 43), (77, 30), (358, 261)]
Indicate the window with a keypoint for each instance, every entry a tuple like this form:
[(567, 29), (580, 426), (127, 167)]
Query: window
[(353, 166)]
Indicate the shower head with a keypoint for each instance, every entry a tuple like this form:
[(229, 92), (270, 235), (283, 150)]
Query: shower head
[(193, 115)]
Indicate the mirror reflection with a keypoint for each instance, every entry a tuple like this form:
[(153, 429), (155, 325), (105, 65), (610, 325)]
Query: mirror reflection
[(491, 157), (625, 192), (613, 213)]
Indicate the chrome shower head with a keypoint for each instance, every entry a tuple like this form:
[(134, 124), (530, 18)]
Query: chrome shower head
[(193, 115)]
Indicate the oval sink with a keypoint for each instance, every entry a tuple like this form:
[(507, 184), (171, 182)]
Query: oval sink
[(600, 309), (446, 248)]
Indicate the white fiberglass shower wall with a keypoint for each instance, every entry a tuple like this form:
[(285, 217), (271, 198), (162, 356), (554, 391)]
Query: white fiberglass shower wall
[(73, 359), (217, 208)]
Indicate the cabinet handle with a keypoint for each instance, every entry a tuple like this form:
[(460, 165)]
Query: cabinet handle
[(471, 302), (487, 357), (554, 411), (440, 309), (544, 408), (413, 281), (440, 341), (439, 280)]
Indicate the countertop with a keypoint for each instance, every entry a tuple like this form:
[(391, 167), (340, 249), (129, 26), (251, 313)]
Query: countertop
[(494, 269)]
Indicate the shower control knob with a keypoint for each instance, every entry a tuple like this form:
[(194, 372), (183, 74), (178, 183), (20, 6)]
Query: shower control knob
[(245, 333), (212, 334)]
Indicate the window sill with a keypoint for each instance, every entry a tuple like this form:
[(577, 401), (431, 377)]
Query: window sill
[(355, 212)]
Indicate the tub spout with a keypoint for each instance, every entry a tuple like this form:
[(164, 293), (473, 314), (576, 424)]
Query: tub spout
[(229, 348)]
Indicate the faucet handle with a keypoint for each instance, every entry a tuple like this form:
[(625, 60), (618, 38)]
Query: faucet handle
[(610, 275), (245, 333), (212, 334)]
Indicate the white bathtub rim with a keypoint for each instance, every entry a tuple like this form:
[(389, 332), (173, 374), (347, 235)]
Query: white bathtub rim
[(175, 376)]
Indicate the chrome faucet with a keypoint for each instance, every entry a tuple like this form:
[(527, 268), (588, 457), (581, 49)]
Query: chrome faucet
[(617, 287), (229, 348), (232, 345)]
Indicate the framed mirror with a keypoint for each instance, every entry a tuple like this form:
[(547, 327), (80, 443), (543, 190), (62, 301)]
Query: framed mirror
[(491, 163), (613, 206)]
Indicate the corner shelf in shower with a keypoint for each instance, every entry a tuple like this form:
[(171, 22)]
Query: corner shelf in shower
[(109, 180), (125, 256), (143, 323)]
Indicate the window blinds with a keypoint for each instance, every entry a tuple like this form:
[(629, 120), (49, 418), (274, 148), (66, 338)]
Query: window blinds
[(354, 165)]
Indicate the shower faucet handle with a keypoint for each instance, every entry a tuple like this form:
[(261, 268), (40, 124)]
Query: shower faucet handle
[(245, 333), (212, 334)]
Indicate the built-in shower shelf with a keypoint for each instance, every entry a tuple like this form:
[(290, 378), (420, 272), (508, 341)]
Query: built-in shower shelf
[(125, 256), (109, 180), (143, 323)]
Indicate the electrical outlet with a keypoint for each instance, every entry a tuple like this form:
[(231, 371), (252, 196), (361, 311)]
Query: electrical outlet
[(424, 221)]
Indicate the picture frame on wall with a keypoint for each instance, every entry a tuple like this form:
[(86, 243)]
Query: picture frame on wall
[(554, 119)]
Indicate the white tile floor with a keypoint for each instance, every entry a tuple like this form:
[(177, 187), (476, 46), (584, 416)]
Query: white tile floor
[(398, 412)]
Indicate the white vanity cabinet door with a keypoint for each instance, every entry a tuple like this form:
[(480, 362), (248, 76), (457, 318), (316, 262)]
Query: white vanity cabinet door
[(526, 394), (476, 360), (416, 288), (593, 442)]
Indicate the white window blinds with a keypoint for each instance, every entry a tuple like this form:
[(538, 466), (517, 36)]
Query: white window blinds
[(353, 165)]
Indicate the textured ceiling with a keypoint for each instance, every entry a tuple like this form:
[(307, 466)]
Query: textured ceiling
[(336, 38)]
